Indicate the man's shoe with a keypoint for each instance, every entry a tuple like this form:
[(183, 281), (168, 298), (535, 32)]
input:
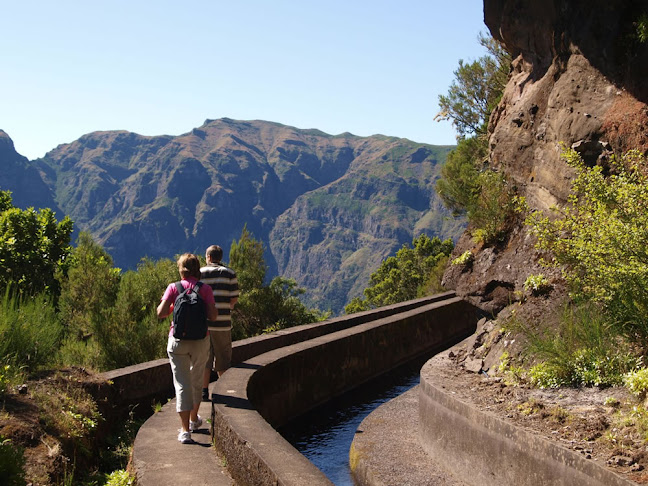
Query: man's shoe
[(185, 437), (193, 426), (205, 395)]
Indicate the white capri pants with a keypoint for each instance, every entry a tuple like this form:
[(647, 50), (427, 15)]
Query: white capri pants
[(188, 360)]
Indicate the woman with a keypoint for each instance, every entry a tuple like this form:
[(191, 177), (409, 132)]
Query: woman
[(188, 357)]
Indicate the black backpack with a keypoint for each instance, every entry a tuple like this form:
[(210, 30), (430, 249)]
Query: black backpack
[(189, 313)]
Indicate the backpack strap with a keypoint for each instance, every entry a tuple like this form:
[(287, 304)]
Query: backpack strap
[(196, 288)]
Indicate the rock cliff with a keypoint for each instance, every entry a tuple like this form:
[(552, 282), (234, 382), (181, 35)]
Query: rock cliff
[(578, 77)]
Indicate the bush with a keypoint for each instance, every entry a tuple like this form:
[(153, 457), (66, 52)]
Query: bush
[(583, 351), (482, 194), (411, 273), (30, 332), (637, 382), (119, 478), (466, 258), (270, 308), (33, 247), (132, 333), (537, 284), (12, 463), (600, 240)]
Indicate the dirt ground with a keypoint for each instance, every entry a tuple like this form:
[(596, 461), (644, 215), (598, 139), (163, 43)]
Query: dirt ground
[(45, 418)]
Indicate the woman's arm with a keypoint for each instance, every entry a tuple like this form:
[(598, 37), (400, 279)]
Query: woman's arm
[(164, 309), (212, 312)]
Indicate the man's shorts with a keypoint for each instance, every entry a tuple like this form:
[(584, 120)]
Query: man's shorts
[(220, 350)]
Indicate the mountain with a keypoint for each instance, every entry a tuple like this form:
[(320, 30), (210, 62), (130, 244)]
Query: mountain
[(328, 208), (25, 180)]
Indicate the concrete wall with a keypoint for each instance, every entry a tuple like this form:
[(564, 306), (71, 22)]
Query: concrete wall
[(143, 384), (268, 390), (483, 450)]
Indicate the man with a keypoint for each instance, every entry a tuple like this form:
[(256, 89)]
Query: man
[(224, 285)]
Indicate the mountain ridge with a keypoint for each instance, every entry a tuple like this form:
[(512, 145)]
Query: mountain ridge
[(313, 199)]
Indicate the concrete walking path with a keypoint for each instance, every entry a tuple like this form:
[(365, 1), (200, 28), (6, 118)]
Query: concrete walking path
[(160, 460)]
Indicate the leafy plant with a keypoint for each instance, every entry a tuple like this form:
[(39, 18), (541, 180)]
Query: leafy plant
[(120, 477), (33, 247), (600, 240), (583, 351), (637, 382), (264, 308), (642, 28), (30, 331), (12, 463), (537, 284), (407, 275), (476, 90), (465, 258)]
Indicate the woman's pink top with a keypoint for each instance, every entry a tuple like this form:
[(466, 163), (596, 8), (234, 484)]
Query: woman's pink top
[(171, 293)]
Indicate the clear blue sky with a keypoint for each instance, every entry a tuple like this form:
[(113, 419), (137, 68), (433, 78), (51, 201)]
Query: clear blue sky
[(163, 67)]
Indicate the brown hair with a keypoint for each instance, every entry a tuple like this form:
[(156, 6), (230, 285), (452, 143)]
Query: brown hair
[(189, 266), (214, 253)]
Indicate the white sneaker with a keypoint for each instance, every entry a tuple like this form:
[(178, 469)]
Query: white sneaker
[(195, 425), (185, 437)]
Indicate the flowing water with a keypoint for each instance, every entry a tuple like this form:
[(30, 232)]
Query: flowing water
[(324, 434)]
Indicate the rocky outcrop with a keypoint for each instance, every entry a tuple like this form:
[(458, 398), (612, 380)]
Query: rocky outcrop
[(578, 77)]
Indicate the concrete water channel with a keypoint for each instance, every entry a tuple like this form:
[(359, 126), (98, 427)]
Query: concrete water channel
[(278, 379), (324, 435)]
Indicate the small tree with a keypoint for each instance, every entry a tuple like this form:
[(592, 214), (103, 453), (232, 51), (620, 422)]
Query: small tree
[(33, 247), (89, 290), (263, 308), (467, 186), (476, 90), (246, 258), (408, 275)]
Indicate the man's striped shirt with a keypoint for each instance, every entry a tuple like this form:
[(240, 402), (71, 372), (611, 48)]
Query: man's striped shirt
[(225, 287)]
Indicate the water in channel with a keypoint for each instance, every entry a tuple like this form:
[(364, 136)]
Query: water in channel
[(324, 434)]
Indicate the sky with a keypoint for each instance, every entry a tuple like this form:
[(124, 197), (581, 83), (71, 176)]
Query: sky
[(162, 67)]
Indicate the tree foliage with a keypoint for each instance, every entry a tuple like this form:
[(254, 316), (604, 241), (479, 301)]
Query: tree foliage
[(600, 238), (133, 334), (263, 308), (33, 247), (411, 273), (89, 290), (476, 90), (467, 186), (246, 258)]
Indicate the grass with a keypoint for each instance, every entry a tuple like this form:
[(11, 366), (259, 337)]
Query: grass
[(583, 350)]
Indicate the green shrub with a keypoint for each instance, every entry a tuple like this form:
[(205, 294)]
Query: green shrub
[(465, 258), (33, 247), (637, 382), (131, 333), (12, 463), (30, 332), (411, 273), (119, 478), (583, 351), (600, 240), (537, 284)]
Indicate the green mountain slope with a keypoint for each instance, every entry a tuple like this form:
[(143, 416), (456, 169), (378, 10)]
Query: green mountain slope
[(328, 208)]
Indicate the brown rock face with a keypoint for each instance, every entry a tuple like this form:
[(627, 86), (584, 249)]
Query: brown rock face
[(578, 77)]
